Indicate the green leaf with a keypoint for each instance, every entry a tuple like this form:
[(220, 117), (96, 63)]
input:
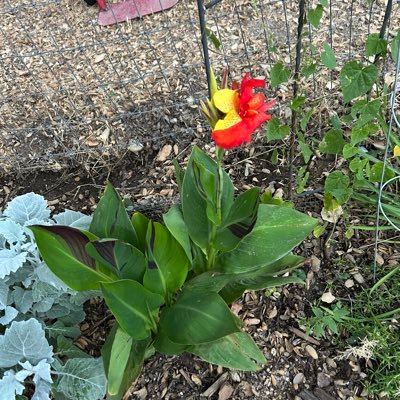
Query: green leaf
[(235, 351), (315, 14), (394, 49), (306, 119), (297, 102), (278, 229), (324, 3), (262, 278), (308, 70), (209, 281), (140, 224), (375, 45), (82, 378), (360, 133), (110, 220), (213, 39), (179, 173), (164, 345), (276, 131), (194, 204), (133, 306), (125, 260), (338, 184), (376, 173), (279, 74), (328, 57), (240, 220), (366, 110), (357, 80), (123, 360), (197, 318), (168, 264), (305, 151), (63, 250), (333, 142), (175, 223), (349, 151)]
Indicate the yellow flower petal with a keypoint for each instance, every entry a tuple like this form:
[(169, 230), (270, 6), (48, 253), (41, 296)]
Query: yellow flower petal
[(226, 100), (232, 118), (396, 151)]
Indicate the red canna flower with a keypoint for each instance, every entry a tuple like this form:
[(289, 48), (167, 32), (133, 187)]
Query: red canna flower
[(244, 112)]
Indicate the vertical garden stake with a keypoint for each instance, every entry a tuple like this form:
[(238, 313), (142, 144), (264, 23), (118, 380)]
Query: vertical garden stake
[(204, 43)]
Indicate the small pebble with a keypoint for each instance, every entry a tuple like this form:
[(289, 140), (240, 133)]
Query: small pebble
[(323, 380), (299, 378), (312, 352)]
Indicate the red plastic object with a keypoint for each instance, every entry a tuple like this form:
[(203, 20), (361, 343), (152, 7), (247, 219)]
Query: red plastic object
[(102, 4), (126, 10)]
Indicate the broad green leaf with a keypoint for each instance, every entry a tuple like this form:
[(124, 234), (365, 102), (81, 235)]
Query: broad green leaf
[(262, 278), (167, 265), (349, 151), (324, 3), (197, 318), (235, 351), (377, 170), (164, 345), (175, 223), (328, 57), (208, 281), (338, 184), (63, 250), (125, 260), (279, 74), (361, 133), (110, 220), (133, 306), (194, 205), (356, 80), (124, 361), (140, 224), (375, 45), (276, 131), (365, 110), (277, 231), (82, 378), (315, 14), (180, 174), (333, 142), (308, 70), (240, 220), (395, 46), (306, 119)]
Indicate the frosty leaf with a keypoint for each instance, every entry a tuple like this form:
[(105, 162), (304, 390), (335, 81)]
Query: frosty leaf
[(42, 390), (3, 295), (74, 219), (9, 386), (10, 261), (44, 305), (82, 379), (42, 290), (23, 299), (24, 341), (9, 314), (12, 232), (45, 275), (59, 329), (41, 371), (66, 348), (24, 208)]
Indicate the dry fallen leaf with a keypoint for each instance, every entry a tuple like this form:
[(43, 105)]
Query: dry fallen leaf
[(225, 392), (164, 153), (99, 58)]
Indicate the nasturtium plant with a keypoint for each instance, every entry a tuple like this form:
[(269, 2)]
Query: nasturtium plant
[(170, 285)]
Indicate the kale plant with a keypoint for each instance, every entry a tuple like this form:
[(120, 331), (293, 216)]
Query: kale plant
[(39, 313)]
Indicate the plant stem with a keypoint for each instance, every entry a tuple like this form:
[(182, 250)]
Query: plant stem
[(212, 251)]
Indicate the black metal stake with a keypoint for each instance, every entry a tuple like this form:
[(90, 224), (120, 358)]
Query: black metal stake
[(204, 43)]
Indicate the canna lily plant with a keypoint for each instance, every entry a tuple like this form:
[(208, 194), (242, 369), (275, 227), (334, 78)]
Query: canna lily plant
[(170, 285)]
